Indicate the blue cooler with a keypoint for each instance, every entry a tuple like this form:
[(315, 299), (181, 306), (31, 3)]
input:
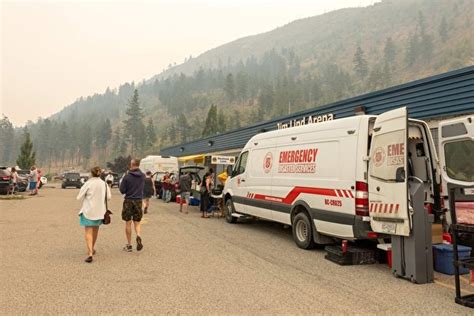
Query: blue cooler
[(193, 201), (443, 257)]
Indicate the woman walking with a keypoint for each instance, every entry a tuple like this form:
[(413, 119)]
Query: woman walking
[(93, 194), (14, 180), (148, 191)]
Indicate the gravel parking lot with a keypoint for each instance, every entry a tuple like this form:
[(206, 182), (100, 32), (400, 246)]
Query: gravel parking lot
[(188, 265)]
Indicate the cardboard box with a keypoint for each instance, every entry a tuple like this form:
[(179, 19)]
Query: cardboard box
[(437, 233)]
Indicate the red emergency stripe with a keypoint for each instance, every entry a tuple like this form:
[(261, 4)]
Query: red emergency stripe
[(295, 192), (384, 208)]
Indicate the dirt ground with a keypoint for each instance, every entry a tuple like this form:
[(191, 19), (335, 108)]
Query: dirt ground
[(189, 265)]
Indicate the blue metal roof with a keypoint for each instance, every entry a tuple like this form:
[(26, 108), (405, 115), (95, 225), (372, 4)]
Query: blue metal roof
[(443, 95)]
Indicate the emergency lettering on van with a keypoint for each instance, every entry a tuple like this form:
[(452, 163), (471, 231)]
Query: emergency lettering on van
[(395, 154), (298, 161), (296, 191)]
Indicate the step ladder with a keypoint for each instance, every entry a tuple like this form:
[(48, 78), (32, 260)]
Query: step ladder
[(456, 230)]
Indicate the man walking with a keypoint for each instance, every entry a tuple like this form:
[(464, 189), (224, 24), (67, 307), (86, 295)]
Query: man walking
[(132, 186), (185, 191)]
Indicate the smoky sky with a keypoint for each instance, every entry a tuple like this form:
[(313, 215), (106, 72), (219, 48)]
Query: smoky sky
[(53, 52)]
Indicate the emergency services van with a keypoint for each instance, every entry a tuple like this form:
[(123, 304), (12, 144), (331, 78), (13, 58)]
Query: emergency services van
[(341, 179)]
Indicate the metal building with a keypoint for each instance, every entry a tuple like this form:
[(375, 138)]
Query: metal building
[(430, 99)]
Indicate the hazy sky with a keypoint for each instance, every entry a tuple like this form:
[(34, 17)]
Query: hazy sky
[(53, 52)]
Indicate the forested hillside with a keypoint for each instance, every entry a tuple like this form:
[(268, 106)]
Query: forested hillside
[(307, 63)]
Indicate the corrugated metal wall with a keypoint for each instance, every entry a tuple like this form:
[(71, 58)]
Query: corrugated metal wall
[(443, 95)]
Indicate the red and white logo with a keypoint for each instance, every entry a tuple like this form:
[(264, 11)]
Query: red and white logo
[(379, 156), (268, 162)]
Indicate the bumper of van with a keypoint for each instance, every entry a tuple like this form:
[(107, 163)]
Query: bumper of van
[(361, 228)]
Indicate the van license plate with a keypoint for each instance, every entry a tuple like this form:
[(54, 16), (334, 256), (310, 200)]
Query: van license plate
[(389, 228)]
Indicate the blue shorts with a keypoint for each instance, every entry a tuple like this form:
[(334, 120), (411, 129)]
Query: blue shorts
[(32, 185), (89, 222)]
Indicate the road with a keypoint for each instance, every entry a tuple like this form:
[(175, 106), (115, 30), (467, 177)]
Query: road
[(189, 265)]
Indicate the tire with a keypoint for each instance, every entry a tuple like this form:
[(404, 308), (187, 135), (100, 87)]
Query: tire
[(228, 210), (303, 231), (63, 186)]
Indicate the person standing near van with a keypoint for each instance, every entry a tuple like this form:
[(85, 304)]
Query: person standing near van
[(148, 191), (166, 183), (185, 183), (14, 180), (132, 186), (206, 187), (93, 194), (33, 181)]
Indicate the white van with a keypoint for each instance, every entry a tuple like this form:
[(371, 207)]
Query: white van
[(342, 179), (160, 164)]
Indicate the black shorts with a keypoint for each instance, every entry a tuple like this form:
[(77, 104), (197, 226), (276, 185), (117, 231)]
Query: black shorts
[(132, 210)]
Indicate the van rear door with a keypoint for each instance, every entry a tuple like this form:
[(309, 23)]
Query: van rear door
[(388, 189), (456, 151)]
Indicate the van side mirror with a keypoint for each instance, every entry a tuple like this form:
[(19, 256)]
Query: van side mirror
[(400, 175), (229, 170)]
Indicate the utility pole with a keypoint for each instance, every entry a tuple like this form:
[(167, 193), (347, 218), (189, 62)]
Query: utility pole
[(289, 107)]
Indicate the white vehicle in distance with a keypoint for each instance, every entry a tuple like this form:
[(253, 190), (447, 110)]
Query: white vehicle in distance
[(159, 164)]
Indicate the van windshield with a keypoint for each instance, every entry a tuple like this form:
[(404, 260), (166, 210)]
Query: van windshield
[(460, 160)]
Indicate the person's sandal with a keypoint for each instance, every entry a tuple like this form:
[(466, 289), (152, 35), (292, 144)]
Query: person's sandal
[(128, 248), (139, 243), (89, 259)]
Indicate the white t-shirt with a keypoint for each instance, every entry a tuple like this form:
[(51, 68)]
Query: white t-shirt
[(92, 194), (33, 176), (109, 177)]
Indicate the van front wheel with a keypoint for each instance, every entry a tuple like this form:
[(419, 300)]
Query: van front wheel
[(303, 231), (229, 209)]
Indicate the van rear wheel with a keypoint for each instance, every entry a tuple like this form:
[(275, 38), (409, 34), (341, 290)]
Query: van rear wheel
[(228, 210), (303, 231)]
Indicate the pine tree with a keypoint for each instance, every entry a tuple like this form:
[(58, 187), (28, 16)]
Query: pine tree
[(184, 128), (27, 157), (443, 29), (119, 146), (425, 48), (229, 87), (134, 127), (150, 135), (103, 135), (411, 55), (242, 86), (64, 141), (221, 122), (360, 64), (85, 144), (210, 126), (389, 51), (7, 134)]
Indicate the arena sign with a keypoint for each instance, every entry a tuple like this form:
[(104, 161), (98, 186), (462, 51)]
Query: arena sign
[(306, 120)]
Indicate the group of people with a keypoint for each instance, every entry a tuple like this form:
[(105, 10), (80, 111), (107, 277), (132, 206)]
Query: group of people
[(137, 189), (167, 182), (95, 194), (34, 178)]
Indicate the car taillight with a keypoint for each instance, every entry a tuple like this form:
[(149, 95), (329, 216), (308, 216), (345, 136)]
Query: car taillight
[(362, 198)]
